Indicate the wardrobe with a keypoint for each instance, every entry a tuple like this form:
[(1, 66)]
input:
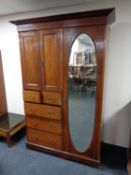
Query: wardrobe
[(63, 58)]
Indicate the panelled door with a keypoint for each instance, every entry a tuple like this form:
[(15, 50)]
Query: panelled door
[(30, 58), (51, 55)]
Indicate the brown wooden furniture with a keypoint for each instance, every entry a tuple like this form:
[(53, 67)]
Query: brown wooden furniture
[(3, 103), (45, 45), (9, 123)]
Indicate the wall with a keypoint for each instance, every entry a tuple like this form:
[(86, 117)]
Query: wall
[(117, 91)]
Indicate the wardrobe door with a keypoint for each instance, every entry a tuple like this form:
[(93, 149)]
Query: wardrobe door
[(30, 58), (83, 85), (51, 55)]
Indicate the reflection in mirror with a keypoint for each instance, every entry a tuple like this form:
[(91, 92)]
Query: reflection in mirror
[(82, 92)]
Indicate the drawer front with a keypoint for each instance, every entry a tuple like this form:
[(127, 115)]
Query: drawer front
[(45, 111), (32, 96), (52, 98), (44, 138), (44, 124)]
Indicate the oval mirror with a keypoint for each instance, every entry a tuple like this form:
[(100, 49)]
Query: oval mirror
[(82, 92)]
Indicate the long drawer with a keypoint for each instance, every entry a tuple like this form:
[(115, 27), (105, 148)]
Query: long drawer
[(44, 138), (44, 124), (45, 111)]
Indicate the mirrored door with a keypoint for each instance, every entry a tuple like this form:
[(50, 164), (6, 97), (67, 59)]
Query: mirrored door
[(84, 59)]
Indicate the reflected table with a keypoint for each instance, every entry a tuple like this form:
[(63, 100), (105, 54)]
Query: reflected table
[(11, 123)]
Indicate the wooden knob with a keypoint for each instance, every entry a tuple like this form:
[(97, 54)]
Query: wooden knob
[(35, 138), (35, 123), (33, 111), (52, 125), (31, 97), (52, 141), (51, 99), (51, 113)]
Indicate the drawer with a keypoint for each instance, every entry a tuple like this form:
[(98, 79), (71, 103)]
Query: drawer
[(44, 138), (32, 96), (50, 112), (44, 124), (52, 98)]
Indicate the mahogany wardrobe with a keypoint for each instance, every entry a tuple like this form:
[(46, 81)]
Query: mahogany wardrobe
[(63, 58)]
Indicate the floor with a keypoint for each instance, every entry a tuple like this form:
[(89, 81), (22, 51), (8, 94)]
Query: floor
[(18, 160)]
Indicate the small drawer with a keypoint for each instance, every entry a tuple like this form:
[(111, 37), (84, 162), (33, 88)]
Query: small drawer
[(32, 96), (44, 138), (52, 98), (44, 124), (50, 112)]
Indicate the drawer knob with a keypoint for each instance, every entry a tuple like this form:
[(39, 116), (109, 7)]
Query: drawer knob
[(52, 125), (29, 97), (35, 138), (33, 111), (35, 123), (51, 99), (51, 113), (52, 141)]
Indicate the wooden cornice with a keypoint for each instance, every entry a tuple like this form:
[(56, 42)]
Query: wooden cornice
[(109, 13)]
